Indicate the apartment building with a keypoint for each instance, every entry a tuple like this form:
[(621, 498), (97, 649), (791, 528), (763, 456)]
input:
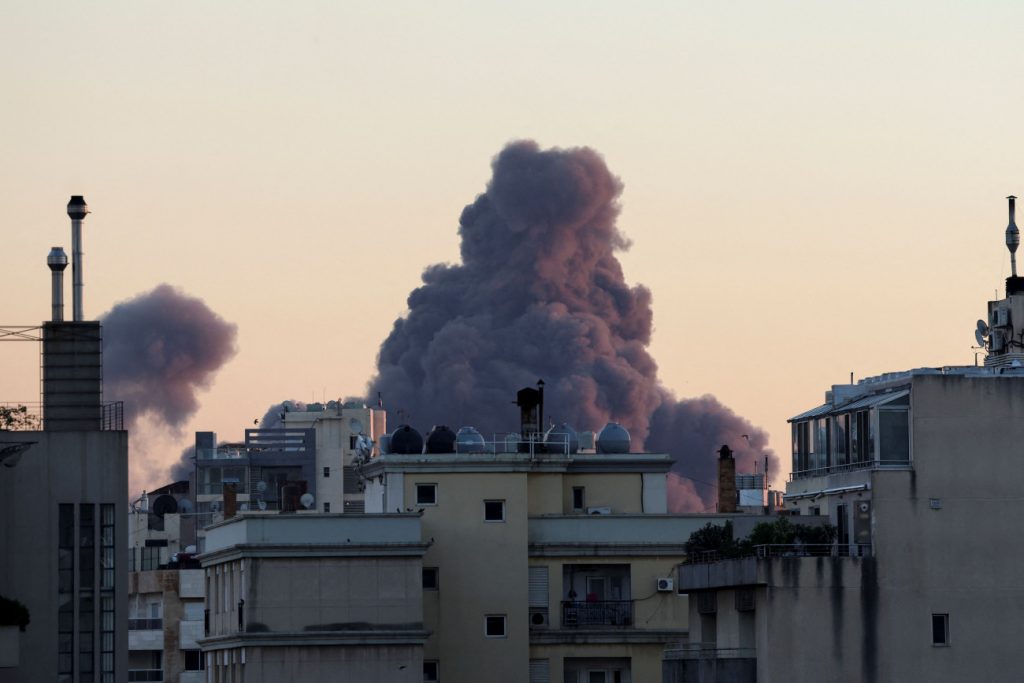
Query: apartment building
[(546, 562), (314, 597), (919, 473)]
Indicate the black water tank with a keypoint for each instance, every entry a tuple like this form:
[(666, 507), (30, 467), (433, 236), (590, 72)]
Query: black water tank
[(441, 439), (406, 441)]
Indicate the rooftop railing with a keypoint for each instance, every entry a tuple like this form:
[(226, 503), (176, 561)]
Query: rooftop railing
[(786, 550), (850, 467), (589, 613)]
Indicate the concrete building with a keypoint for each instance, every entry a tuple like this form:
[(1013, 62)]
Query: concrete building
[(549, 564), (165, 590), (314, 450), (314, 597), (63, 499), (918, 471)]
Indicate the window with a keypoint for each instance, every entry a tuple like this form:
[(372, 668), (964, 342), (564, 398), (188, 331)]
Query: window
[(430, 579), (494, 626), (494, 511), (940, 629), (431, 671), (353, 440), (578, 498), (327, 507), (193, 660), (327, 472), (426, 494)]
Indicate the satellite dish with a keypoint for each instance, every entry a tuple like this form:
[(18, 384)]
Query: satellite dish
[(262, 505), (982, 328), (243, 507), (261, 486), (307, 500), (215, 506), (355, 425), (185, 506), (164, 505), (979, 337)]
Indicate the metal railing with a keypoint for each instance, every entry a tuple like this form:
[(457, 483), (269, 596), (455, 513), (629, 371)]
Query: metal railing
[(852, 466), (29, 417), (707, 651), (581, 614), (145, 624), (785, 550), (145, 675)]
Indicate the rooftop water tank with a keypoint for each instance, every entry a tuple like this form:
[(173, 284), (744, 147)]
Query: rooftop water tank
[(469, 440), (561, 439), (406, 441), (613, 439), (441, 439), (385, 444)]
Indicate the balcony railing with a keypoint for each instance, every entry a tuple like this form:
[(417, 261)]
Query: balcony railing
[(850, 467), (707, 651), (786, 550), (145, 675), (145, 624), (584, 614)]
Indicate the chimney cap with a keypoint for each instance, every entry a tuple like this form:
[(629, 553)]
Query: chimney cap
[(57, 259), (77, 208)]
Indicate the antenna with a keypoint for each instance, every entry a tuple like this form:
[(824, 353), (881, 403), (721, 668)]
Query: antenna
[(1012, 238)]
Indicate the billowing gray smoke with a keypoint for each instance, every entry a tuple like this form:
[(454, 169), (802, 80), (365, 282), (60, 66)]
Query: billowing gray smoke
[(159, 349), (541, 294)]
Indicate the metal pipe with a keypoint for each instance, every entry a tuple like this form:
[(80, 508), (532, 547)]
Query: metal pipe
[(57, 260), (1012, 238), (77, 211)]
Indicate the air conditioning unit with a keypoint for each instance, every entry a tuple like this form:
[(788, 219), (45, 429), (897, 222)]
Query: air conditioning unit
[(664, 584), (599, 511), (539, 618)]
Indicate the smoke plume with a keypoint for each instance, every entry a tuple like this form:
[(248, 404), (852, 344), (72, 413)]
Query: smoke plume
[(160, 349), (540, 294)]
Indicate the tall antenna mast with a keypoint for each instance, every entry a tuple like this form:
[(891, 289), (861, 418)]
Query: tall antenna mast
[(1012, 238)]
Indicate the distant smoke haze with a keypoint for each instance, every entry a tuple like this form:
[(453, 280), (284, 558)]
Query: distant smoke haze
[(541, 294), (160, 350)]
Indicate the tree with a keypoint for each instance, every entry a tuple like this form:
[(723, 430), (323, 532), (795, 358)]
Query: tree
[(17, 418)]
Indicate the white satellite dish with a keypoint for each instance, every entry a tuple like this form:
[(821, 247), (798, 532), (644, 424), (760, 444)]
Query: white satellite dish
[(979, 337), (355, 425), (307, 501)]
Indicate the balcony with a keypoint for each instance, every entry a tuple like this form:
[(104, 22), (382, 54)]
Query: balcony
[(145, 634), (851, 467), (145, 624), (145, 675), (706, 663), (597, 613)]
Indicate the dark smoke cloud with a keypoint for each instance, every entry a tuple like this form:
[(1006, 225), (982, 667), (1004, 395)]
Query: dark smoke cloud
[(541, 294), (272, 418), (160, 349)]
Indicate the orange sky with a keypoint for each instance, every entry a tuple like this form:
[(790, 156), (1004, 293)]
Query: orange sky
[(811, 188)]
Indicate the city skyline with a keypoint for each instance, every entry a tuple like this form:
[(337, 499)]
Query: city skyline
[(809, 192)]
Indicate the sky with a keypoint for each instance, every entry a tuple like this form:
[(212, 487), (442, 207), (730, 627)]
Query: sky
[(810, 189)]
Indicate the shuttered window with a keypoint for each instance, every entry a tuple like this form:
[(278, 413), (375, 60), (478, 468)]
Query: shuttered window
[(540, 671), (539, 587)]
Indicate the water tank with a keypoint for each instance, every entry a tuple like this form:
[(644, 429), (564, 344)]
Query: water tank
[(406, 441), (441, 439), (613, 439), (385, 444), (469, 440), (510, 444), (559, 437)]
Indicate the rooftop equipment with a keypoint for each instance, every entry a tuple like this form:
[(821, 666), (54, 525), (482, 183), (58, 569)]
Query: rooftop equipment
[(441, 439), (614, 438), (406, 441), (77, 211), (57, 260), (469, 440)]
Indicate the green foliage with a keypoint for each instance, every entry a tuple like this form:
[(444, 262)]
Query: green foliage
[(17, 418), (719, 539), (13, 613)]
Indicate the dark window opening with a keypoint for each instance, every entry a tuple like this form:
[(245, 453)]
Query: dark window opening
[(430, 579), (426, 494), (494, 511)]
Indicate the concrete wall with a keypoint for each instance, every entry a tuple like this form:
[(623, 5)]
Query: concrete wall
[(387, 664), (483, 570), (61, 467), (621, 492)]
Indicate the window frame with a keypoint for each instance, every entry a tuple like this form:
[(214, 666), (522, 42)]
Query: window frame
[(504, 625), (437, 579), (944, 621), (432, 487), (581, 491), (490, 502), (437, 670)]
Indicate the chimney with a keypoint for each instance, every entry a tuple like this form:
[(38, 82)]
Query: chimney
[(57, 260), (77, 211), (726, 480)]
